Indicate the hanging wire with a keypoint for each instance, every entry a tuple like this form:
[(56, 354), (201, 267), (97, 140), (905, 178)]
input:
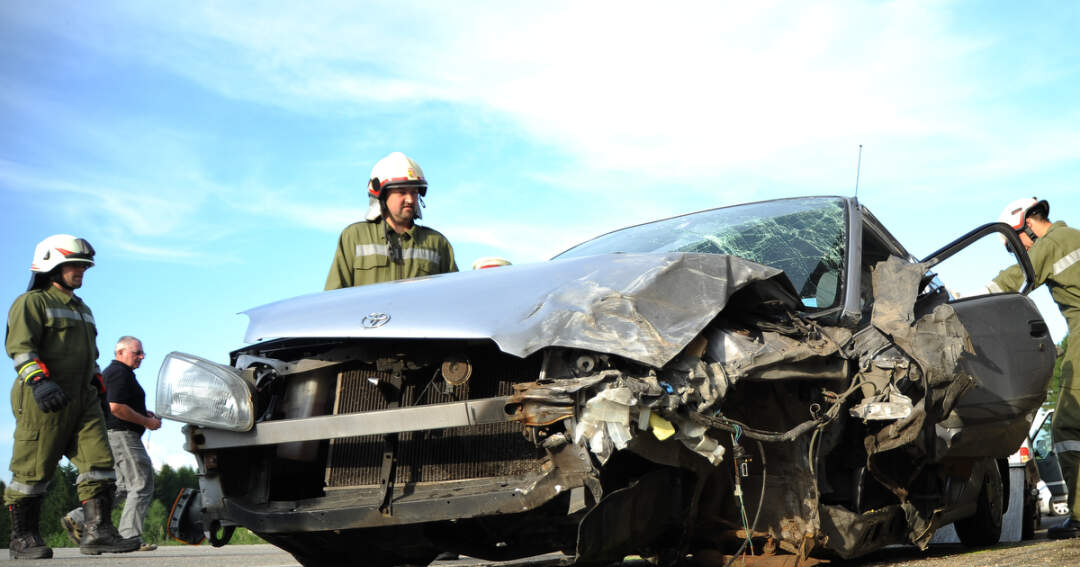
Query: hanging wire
[(757, 513), (739, 497)]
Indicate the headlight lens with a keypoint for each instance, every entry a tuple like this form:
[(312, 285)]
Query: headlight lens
[(194, 390)]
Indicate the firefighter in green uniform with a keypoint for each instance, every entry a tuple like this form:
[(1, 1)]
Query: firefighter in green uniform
[(1055, 254), (388, 245), (51, 337)]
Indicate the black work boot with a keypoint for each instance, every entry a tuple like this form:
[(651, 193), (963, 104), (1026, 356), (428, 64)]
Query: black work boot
[(26, 542), (99, 535)]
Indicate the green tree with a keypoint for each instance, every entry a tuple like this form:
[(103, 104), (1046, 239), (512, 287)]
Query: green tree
[(154, 526), (5, 522), (1055, 380), (169, 481), (166, 485), (61, 497)]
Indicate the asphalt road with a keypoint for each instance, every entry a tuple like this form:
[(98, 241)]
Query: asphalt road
[(233, 556), (1036, 552)]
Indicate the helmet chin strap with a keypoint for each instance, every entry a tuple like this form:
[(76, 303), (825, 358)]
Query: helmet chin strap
[(1028, 231), (56, 276)]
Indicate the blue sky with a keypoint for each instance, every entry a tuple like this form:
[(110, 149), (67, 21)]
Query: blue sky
[(213, 152)]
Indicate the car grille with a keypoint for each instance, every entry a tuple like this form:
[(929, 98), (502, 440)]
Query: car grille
[(483, 451)]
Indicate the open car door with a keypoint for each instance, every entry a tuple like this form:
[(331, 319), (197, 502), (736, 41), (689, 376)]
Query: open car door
[(1012, 363)]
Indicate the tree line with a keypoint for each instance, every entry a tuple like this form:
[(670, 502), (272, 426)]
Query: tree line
[(62, 497), (1054, 389)]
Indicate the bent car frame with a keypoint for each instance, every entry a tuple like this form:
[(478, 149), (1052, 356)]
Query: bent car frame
[(781, 375)]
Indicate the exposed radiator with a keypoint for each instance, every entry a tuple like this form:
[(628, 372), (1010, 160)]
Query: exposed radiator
[(482, 451)]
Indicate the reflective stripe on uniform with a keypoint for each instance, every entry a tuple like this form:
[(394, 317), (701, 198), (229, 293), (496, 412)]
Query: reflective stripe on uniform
[(1066, 262), (29, 489), (993, 287), (1063, 446), (24, 357), (371, 250), (421, 254), (29, 370), (406, 253), (58, 313), (95, 474)]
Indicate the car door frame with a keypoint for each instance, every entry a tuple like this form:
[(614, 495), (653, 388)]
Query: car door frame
[(1015, 246)]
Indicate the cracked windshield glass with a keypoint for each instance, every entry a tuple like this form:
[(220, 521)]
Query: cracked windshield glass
[(803, 237)]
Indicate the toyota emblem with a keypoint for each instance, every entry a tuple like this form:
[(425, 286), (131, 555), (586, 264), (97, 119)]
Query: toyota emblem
[(375, 320)]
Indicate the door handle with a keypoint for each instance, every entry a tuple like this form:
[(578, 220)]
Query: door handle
[(1038, 329)]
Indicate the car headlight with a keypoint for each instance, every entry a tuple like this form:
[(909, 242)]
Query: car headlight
[(195, 390)]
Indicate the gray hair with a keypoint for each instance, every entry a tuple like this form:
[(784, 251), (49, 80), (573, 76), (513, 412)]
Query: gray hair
[(125, 342)]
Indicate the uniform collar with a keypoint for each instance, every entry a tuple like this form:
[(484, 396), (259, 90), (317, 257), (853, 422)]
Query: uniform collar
[(383, 228), (61, 296)]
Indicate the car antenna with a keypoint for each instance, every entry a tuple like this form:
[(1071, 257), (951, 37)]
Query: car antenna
[(858, 168)]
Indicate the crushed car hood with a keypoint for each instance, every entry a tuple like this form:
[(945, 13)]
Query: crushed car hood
[(644, 307)]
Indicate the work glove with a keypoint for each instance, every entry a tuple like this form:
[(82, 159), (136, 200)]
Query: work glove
[(48, 395)]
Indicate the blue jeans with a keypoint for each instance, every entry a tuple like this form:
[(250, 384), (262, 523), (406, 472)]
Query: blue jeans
[(135, 476)]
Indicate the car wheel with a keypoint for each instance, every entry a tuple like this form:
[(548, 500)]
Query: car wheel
[(984, 527)]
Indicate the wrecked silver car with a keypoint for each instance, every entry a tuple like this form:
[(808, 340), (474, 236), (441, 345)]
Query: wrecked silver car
[(780, 378)]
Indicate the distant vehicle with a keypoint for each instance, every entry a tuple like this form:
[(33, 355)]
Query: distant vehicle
[(782, 375), (1047, 461), (1024, 478)]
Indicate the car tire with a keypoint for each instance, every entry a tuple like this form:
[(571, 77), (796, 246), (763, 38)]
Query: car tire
[(984, 527)]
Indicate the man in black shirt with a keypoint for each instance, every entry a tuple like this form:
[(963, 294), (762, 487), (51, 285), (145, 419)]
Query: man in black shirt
[(126, 421)]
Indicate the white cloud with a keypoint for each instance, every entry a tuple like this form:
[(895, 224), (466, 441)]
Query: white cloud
[(707, 95), (676, 93)]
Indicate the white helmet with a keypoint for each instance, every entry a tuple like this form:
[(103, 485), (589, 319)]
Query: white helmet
[(55, 250), (393, 170), (1016, 213)]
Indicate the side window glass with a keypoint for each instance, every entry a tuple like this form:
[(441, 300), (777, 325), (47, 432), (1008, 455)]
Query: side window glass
[(874, 251), (1043, 444), (967, 272)]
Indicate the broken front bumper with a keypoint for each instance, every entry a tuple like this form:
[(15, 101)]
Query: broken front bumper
[(561, 474)]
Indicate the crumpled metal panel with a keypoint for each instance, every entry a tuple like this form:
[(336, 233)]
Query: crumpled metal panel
[(644, 307), (936, 340)]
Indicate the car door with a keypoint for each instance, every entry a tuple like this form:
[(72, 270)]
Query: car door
[(1012, 362)]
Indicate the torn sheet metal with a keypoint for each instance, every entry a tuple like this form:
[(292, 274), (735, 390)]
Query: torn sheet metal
[(616, 414), (644, 307), (934, 380), (540, 404), (888, 405), (802, 353), (936, 340), (933, 342)]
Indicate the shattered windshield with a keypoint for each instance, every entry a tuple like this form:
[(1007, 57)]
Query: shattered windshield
[(805, 237)]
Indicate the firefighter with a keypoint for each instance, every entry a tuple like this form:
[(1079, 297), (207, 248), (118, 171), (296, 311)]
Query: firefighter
[(55, 398), (388, 245), (1054, 249)]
